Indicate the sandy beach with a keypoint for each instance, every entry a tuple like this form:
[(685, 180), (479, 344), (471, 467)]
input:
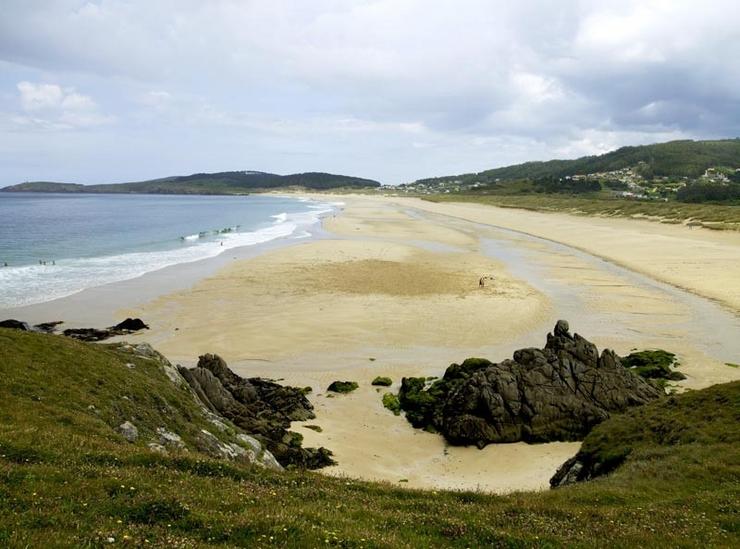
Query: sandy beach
[(702, 261), (392, 289)]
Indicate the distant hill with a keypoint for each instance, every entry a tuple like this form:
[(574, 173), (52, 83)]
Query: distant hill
[(674, 158), (206, 183)]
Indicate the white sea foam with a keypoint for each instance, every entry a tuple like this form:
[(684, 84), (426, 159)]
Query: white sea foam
[(31, 284)]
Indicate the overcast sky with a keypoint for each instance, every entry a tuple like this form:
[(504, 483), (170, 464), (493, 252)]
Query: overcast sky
[(395, 90)]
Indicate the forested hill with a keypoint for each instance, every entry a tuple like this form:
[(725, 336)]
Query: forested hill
[(675, 158), (206, 183)]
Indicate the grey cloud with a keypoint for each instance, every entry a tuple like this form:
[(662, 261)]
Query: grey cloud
[(403, 88)]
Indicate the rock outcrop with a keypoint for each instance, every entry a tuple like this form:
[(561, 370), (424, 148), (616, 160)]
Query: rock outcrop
[(129, 431), (13, 324), (48, 327), (128, 326), (581, 468), (245, 448), (559, 392), (258, 406)]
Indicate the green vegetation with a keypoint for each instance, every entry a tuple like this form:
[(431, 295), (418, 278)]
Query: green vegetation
[(316, 428), (675, 158), (655, 364), (67, 478), (732, 365), (698, 423), (390, 401), (675, 182), (207, 183), (709, 192), (342, 386), (383, 381), (711, 216)]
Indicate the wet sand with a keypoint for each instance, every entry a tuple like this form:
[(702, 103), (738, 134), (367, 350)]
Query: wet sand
[(702, 261)]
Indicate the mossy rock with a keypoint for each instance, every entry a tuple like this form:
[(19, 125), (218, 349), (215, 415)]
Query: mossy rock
[(382, 381), (391, 402), (653, 364), (342, 386)]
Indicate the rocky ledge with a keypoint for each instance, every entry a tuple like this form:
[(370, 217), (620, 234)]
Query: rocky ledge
[(128, 326), (258, 406), (557, 393)]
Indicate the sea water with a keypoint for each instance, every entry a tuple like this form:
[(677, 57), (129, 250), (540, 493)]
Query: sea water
[(59, 244)]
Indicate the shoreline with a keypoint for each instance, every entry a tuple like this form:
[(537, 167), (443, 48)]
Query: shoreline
[(101, 305)]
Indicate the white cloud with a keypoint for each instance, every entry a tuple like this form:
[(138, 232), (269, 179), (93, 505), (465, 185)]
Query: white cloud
[(35, 97), (51, 107)]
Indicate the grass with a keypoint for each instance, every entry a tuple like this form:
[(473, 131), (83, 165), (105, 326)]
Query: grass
[(711, 216), (68, 479)]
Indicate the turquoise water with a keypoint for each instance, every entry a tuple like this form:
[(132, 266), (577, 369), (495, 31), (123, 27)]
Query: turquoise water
[(58, 244)]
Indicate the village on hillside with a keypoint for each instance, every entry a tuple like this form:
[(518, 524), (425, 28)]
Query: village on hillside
[(630, 183)]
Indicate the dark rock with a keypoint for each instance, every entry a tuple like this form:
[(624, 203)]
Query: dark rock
[(131, 325), (559, 392), (15, 325), (128, 326), (581, 468), (258, 406), (88, 334), (48, 327)]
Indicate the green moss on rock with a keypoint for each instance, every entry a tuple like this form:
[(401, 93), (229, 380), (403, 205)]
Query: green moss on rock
[(382, 381), (653, 364), (342, 386), (390, 401)]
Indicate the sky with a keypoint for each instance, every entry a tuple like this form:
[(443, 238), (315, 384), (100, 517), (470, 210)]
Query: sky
[(394, 90)]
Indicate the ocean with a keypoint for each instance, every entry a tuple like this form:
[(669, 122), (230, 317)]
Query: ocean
[(56, 245)]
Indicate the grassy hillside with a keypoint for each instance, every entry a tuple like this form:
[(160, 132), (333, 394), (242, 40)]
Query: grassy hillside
[(207, 183), (68, 479), (675, 158)]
